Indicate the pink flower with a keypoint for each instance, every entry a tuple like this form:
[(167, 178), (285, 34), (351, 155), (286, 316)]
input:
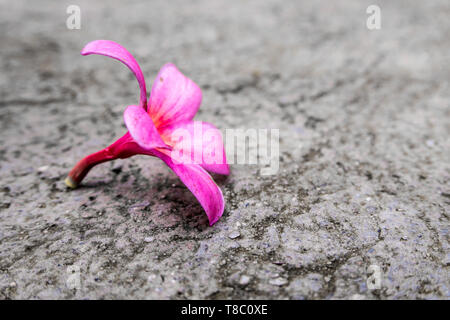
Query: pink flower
[(154, 128)]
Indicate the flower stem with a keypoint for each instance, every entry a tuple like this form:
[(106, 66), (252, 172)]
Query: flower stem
[(81, 169), (122, 148)]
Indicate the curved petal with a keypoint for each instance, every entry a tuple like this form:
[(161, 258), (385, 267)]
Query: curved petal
[(197, 142), (142, 129), (174, 97), (116, 51), (200, 183)]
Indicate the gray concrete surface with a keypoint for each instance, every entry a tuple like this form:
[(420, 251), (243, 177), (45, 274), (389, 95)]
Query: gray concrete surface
[(364, 172)]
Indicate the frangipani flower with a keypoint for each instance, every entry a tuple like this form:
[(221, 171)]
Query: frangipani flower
[(155, 127)]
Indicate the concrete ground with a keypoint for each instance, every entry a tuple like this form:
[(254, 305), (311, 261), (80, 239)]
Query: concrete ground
[(363, 189)]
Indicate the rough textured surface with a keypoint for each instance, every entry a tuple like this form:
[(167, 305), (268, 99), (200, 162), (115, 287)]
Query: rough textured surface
[(364, 172)]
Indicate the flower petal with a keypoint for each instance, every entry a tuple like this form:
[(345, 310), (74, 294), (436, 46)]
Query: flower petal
[(142, 129), (116, 51), (174, 97), (197, 142), (200, 183)]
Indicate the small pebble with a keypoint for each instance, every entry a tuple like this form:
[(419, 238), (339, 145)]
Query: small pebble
[(151, 277), (244, 280), (234, 235), (278, 281), (149, 239), (42, 169)]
